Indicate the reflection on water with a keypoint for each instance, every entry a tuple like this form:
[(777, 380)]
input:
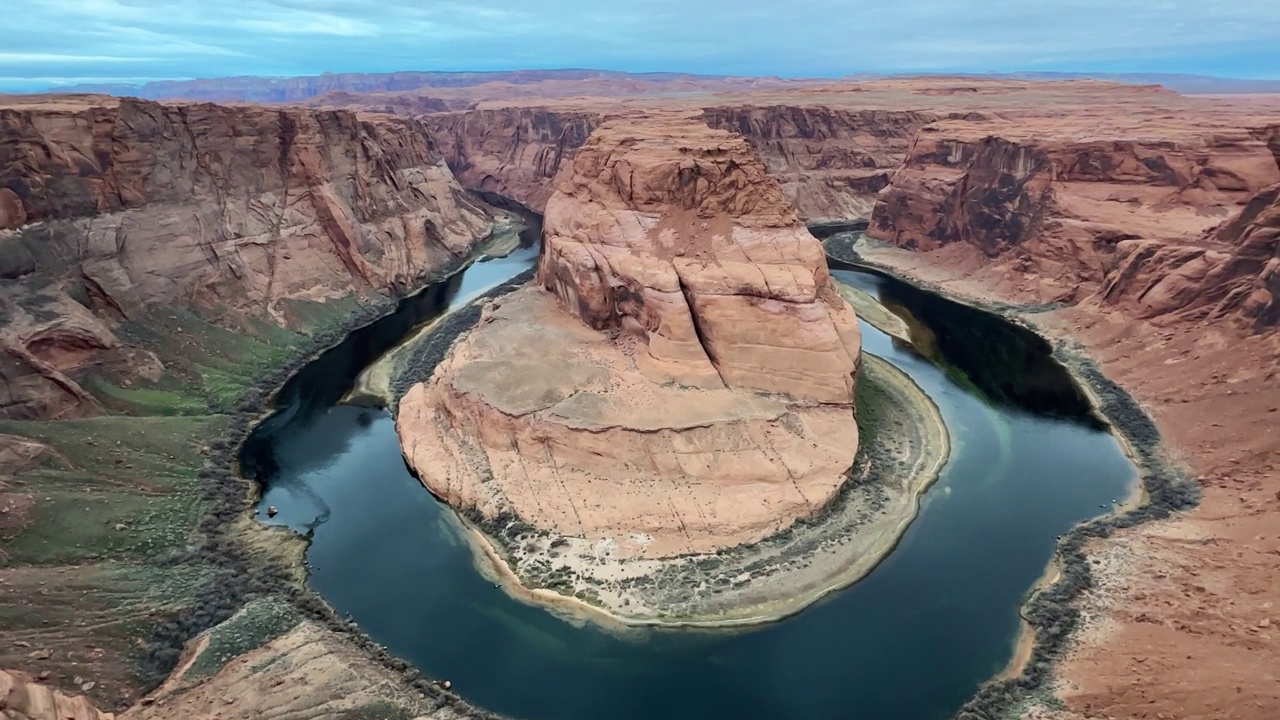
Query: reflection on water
[(1008, 364), (911, 641)]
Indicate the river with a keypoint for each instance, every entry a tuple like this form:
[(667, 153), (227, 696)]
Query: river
[(911, 641)]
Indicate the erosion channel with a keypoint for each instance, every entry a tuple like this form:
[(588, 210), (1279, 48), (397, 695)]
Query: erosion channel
[(912, 640)]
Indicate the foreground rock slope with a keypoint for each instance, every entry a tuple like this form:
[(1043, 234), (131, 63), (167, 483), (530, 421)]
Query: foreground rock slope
[(680, 378)]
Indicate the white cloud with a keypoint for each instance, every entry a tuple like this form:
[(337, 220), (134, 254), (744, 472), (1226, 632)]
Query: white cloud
[(16, 58), (220, 37), (308, 24)]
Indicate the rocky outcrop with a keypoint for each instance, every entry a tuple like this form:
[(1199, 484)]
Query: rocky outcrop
[(410, 104), (22, 697), (1078, 210), (831, 161), (698, 254), (1234, 272), (514, 152), (111, 209), (687, 383)]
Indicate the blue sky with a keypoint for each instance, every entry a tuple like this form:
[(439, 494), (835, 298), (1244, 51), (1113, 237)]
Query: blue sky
[(50, 42)]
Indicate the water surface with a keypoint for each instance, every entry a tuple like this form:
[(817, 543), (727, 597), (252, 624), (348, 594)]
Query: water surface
[(912, 641)]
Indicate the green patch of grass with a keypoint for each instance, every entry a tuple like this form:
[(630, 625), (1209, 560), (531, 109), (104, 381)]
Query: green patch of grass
[(381, 710), (148, 400), (257, 624), (223, 388), (315, 317), (110, 487)]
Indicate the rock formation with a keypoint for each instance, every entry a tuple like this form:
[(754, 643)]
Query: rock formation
[(110, 209), (1233, 271), (831, 161), (23, 698), (680, 379), (514, 152), (1083, 213)]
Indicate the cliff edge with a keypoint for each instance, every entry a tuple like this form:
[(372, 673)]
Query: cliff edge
[(114, 211)]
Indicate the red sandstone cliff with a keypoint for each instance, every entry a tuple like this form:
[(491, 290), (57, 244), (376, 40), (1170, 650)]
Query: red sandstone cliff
[(515, 152), (831, 161), (111, 209), (1233, 271), (1085, 213)]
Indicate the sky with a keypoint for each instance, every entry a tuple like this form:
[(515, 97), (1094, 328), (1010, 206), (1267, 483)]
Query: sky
[(52, 42)]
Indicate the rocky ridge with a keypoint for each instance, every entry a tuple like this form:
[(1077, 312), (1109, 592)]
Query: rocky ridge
[(681, 380), (1079, 212), (1234, 271), (112, 210)]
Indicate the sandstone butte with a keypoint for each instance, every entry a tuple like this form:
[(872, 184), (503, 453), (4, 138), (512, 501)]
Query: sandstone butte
[(680, 379), (1148, 218)]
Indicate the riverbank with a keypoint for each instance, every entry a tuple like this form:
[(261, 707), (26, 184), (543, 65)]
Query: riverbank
[(870, 309), (905, 446), (1053, 609), (170, 550)]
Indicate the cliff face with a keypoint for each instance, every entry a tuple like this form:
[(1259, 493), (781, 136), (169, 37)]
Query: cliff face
[(687, 384), (515, 152), (1083, 211), (699, 252), (113, 210), (831, 162), (1234, 272)]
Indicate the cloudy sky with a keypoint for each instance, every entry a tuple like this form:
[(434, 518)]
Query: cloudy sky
[(51, 42)]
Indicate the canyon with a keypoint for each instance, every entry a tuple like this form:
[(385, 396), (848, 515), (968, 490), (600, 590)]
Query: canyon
[(1139, 225)]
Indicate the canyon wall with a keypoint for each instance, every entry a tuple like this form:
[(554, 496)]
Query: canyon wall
[(1079, 192), (515, 152), (112, 211), (1235, 271), (831, 161), (1135, 218)]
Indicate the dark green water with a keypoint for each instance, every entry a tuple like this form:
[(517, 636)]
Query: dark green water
[(912, 641)]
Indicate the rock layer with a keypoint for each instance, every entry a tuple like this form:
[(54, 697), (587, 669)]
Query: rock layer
[(514, 152), (1234, 272), (687, 384), (831, 161), (23, 698), (1133, 218), (113, 208)]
